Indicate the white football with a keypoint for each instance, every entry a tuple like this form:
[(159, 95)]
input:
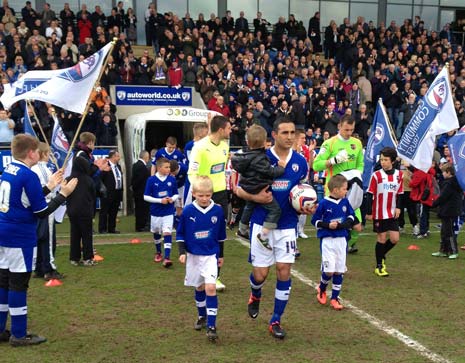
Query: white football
[(302, 196)]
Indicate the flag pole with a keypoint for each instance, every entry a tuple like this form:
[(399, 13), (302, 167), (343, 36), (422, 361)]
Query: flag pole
[(84, 114), (54, 160), (391, 131)]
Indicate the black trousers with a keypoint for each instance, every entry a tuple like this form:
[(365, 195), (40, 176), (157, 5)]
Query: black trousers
[(141, 211), (221, 198), (411, 210), (81, 232), (46, 245), (272, 217), (448, 240), (109, 210)]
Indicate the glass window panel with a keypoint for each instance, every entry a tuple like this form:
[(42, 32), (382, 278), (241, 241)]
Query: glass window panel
[(126, 4), (272, 9), (57, 6), (459, 3), (429, 14), (248, 7), (398, 13), (447, 16), (304, 10), (426, 2), (140, 14), (105, 5), (178, 7), (17, 5), (333, 11), (206, 7), (368, 11)]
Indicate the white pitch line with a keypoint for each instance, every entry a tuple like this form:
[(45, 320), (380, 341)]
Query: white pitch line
[(377, 323)]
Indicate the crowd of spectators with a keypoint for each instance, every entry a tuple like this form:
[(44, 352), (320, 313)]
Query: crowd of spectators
[(250, 71)]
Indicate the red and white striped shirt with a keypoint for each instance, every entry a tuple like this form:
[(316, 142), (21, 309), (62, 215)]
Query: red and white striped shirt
[(385, 188)]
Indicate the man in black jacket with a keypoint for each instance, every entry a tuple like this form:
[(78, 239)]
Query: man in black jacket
[(140, 174), (109, 205)]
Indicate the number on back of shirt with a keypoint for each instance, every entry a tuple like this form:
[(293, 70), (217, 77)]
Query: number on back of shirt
[(5, 189)]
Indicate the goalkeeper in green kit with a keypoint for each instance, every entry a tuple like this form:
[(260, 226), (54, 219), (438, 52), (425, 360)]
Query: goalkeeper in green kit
[(343, 154)]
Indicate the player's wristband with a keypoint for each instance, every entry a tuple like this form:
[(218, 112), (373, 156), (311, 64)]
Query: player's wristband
[(347, 224), (182, 247), (322, 224), (221, 249)]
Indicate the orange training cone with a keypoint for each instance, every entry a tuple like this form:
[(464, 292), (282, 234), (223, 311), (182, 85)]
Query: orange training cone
[(53, 283), (98, 258), (413, 248), (135, 241)]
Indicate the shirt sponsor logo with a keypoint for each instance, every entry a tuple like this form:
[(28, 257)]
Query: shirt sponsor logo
[(217, 168), (280, 185), (163, 194), (201, 234), (390, 186)]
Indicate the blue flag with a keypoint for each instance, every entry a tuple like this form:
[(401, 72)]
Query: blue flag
[(27, 124), (59, 143), (380, 136), (457, 152)]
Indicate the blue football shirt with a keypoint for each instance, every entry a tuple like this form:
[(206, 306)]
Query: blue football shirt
[(158, 188), (296, 171), (201, 229), (20, 197)]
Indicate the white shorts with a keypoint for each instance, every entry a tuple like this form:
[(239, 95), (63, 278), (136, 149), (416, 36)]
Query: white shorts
[(179, 203), (282, 241), (18, 259), (333, 254), (200, 270), (161, 225)]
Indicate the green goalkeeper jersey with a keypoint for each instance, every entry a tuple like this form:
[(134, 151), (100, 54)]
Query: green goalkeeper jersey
[(331, 148)]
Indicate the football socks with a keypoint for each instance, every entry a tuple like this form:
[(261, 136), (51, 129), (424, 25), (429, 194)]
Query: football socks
[(200, 302), (324, 281), (337, 282), (17, 301), (379, 252), (157, 239), (212, 309), (256, 287), (282, 292), (167, 239), (3, 308)]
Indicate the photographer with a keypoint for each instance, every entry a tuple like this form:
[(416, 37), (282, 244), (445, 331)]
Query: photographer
[(98, 96)]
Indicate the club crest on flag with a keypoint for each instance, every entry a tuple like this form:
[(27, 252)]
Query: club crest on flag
[(83, 69), (379, 134), (437, 94), (186, 96), (121, 95), (60, 140)]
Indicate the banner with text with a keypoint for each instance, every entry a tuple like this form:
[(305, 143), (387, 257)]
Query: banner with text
[(152, 96)]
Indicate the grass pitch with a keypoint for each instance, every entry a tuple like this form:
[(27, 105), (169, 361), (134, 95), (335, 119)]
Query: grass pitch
[(129, 309)]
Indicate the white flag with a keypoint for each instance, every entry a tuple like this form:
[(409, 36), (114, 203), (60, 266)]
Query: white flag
[(67, 88), (434, 116)]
